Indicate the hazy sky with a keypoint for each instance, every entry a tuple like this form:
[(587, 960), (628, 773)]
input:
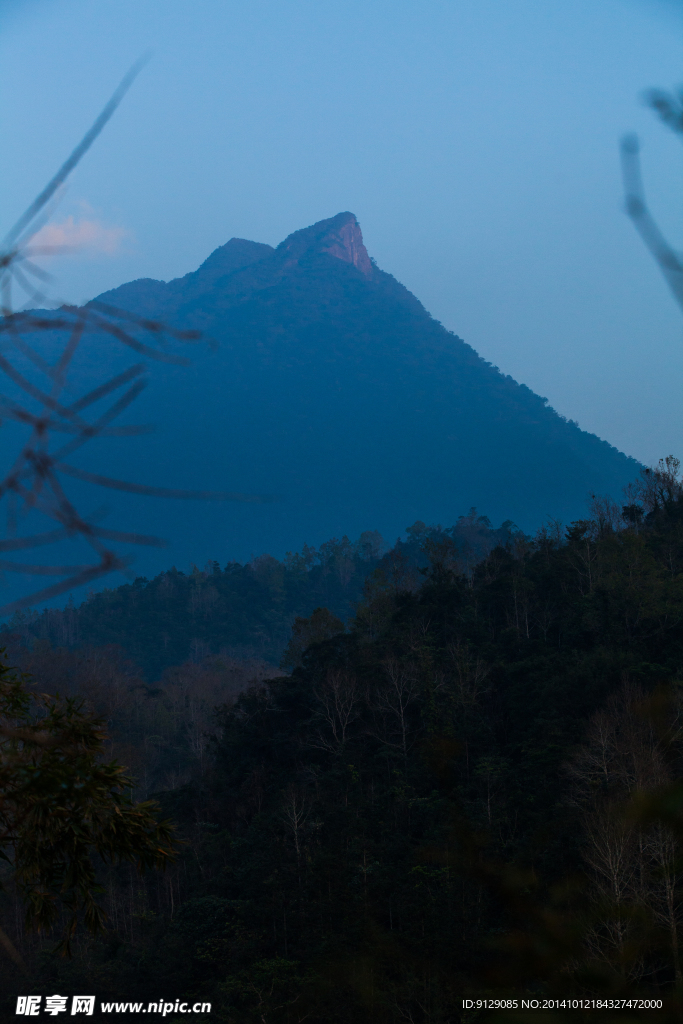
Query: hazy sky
[(475, 140)]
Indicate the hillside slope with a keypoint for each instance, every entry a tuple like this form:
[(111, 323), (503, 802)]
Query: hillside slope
[(333, 388)]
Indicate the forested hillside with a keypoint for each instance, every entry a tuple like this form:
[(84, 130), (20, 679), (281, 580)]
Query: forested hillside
[(324, 393), (437, 801), (240, 610)]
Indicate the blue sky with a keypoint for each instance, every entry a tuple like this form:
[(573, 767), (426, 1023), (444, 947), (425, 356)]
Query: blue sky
[(475, 140)]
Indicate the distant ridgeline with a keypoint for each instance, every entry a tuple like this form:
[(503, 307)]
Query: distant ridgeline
[(248, 610), (323, 384), (333, 389)]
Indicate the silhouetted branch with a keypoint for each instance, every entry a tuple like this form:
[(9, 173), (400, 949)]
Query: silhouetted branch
[(37, 540), (128, 538), (669, 107), (42, 570), (109, 386), (88, 576), (636, 207), (32, 483), (159, 492), (24, 222)]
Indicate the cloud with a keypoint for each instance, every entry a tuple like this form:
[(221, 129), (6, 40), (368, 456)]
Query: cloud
[(70, 234)]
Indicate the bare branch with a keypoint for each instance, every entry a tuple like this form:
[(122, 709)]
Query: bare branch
[(668, 106), (160, 492), (61, 588), (42, 570), (33, 484), (81, 149), (110, 385), (37, 540), (636, 207)]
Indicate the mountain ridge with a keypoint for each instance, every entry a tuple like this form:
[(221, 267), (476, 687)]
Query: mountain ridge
[(334, 387)]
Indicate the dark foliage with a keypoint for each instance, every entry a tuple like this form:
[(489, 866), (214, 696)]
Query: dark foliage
[(242, 610), (420, 811), (62, 806), (247, 609)]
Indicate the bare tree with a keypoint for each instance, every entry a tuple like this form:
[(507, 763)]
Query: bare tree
[(295, 811), (33, 488), (611, 851), (338, 705), (390, 702), (635, 867), (658, 485), (666, 902), (469, 674)]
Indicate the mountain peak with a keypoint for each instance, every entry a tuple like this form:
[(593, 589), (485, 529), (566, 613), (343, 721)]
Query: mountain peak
[(338, 236), (235, 254)]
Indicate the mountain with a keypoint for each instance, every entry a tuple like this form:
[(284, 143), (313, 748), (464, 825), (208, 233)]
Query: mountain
[(335, 389), (331, 388)]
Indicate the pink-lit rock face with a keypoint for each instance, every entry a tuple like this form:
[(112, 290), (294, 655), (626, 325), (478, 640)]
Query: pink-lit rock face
[(338, 236), (346, 243)]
